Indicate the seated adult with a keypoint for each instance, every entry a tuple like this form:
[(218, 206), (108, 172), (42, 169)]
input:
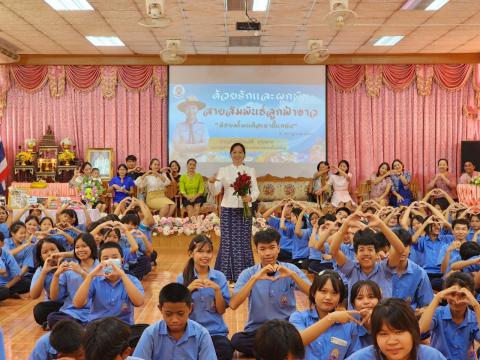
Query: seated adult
[(443, 180), (269, 287), (381, 184), (401, 195), (192, 189), (469, 173), (121, 185), (319, 180)]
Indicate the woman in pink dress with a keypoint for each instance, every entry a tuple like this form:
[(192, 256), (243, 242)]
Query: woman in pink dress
[(381, 184), (443, 180), (340, 183)]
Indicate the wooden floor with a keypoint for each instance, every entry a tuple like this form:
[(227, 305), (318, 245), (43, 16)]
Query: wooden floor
[(21, 331)]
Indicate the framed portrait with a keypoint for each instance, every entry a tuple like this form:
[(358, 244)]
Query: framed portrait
[(101, 158)]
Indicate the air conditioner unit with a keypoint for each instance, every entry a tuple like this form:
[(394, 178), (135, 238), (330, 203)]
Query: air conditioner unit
[(8, 56)]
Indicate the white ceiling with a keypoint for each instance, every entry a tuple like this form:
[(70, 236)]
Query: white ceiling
[(205, 25)]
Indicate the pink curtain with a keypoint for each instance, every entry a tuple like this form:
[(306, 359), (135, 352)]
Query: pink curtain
[(417, 129), (130, 122)]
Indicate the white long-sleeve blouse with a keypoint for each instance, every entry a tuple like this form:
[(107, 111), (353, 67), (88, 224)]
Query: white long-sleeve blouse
[(152, 182)]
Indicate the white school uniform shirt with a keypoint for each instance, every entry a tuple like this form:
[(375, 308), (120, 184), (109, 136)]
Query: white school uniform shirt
[(226, 177), (152, 183)]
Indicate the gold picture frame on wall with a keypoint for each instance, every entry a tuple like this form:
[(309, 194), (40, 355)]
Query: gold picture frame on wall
[(101, 158)]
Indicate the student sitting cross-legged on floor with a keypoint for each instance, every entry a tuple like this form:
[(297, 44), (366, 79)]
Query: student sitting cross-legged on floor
[(269, 287)]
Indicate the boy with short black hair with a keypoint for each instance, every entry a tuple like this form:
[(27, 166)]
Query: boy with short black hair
[(65, 340), (278, 339), (133, 171), (111, 291), (269, 287), (176, 336), (450, 253), (11, 281)]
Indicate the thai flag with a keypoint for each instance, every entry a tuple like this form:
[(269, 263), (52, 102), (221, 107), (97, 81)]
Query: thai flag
[(3, 169)]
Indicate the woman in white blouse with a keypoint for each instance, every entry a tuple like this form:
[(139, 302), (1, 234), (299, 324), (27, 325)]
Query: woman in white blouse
[(235, 253), (155, 180)]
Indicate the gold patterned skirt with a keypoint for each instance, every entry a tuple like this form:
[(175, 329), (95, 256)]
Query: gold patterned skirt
[(157, 200)]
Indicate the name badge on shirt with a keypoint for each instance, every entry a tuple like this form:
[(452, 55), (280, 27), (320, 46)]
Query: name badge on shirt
[(337, 341)]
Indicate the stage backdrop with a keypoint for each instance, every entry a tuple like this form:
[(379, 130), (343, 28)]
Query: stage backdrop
[(417, 113), (119, 107)]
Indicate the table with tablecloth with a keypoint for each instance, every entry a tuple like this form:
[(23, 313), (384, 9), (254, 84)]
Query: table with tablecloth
[(51, 189), (93, 213), (468, 194)]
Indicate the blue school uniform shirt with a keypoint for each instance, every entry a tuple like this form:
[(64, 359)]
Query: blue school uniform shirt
[(431, 249), (111, 299), (62, 240), (269, 299), (156, 344), (337, 342), (286, 235), (24, 257), (315, 254), (452, 340), (11, 267), (300, 244), (43, 350), (127, 184), (123, 242), (204, 310), (348, 250), (4, 230), (68, 284), (364, 338), (424, 353), (2, 346), (382, 274), (146, 230), (46, 283), (454, 257), (413, 286)]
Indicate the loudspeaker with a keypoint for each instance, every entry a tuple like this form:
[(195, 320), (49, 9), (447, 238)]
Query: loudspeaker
[(471, 152)]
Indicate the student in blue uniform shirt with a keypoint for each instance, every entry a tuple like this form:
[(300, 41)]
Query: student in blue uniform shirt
[(396, 335), (143, 263), (450, 253), (210, 294), (176, 336), (67, 219), (61, 237), (64, 341), (4, 222), (365, 295), (319, 257), (285, 225), (278, 339), (470, 258), (269, 287), (111, 291), (454, 327), (69, 276), (11, 281), (42, 278), (19, 246), (326, 333), (366, 251), (410, 281), (474, 220), (303, 232)]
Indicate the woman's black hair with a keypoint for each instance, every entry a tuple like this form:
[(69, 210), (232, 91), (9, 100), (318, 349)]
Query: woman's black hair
[(88, 239), (4, 208), (106, 338), (17, 225), (400, 161), (130, 218), (116, 231), (321, 279), (71, 213), (199, 242), (277, 339), (191, 159), (151, 162), (38, 248), (365, 237), (120, 166), (47, 218), (461, 279), (66, 337), (32, 217), (359, 285), (237, 144), (419, 218), (322, 162), (438, 162), (469, 249), (379, 166), (84, 165), (395, 314), (176, 162), (346, 163)]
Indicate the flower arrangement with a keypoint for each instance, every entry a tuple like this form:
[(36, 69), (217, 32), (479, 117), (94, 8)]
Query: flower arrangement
[(31, 143), (242, 186), (25, 157), (66, 143), (90, 191), (475, 181), (66, 157)]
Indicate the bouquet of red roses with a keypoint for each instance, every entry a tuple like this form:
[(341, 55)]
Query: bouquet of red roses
[(242, 187)]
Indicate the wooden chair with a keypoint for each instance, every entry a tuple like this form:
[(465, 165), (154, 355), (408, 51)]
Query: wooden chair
[(363, 191)]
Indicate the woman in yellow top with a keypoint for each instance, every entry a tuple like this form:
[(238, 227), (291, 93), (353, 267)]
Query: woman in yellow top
[(192, 189)]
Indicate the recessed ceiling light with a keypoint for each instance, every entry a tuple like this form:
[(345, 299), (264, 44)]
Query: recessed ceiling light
[(105, 40), (435, 5), (70, 5), (260, 5), (388, 40)]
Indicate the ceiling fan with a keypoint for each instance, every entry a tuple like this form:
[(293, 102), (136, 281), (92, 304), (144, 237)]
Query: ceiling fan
[(317, 52), (173, 53), (156, 17)]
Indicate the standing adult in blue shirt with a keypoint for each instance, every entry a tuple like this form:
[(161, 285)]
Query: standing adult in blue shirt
[(11, 281), (269, 287), (111, 291), (454, 327), (326, 333), (396, 335), (121, 185), (210, 294), (410, 281), (176, 336), (366, 251)]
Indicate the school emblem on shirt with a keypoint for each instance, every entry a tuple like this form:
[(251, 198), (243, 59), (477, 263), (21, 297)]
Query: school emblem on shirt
[(409, 300), (283, 300), (334, 355), (124, 307)]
